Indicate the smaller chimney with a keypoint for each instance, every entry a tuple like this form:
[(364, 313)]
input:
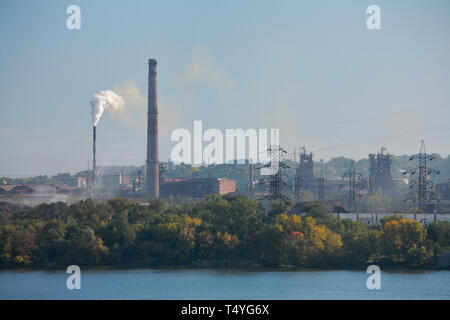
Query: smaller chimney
[(94, 173)]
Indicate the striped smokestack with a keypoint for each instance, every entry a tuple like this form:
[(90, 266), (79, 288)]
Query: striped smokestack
[(152, 133)]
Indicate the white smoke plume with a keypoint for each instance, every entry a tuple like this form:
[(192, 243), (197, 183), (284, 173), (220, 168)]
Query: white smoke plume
[(105, 100)]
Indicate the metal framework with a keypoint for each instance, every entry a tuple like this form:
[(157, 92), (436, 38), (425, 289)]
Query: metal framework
[(298, 185), (304, 176), (352, 176), (276, 179), (423, 185), (380, 178)]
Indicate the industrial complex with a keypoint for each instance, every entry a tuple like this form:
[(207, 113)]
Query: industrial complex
[(159, 179)]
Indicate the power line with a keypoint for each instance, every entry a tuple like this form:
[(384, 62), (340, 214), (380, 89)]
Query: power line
[(405, 133)]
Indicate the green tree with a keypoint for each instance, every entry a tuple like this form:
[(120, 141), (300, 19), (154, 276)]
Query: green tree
[(404, 240), (439, 232)]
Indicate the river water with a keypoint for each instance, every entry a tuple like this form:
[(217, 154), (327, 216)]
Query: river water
[(223, 284)]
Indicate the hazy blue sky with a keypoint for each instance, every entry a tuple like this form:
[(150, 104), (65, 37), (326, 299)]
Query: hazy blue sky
[(310, 68)]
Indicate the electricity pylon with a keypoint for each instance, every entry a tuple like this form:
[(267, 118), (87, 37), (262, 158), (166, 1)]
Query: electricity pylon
[(423, 183), (276, 178)]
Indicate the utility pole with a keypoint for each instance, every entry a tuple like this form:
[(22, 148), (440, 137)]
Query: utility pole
[(423, 182), (298, 184), (250, 180), (321, 187), (139, 179), (351, 189), (352, 175)]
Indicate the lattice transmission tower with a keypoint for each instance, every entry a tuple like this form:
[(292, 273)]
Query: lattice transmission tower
[(423, 185), (276, 182)]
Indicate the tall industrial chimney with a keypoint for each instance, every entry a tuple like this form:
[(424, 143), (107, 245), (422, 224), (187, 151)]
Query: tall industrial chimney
[(152, 133)]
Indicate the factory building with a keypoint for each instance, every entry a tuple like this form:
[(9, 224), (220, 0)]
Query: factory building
[(114, 181), (71, 181), (34, 194), (196, 187), (443, 192), (305, 168), (380, 178), (304, 175)]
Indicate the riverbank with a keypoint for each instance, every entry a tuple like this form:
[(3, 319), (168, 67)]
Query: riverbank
[(241, 267)]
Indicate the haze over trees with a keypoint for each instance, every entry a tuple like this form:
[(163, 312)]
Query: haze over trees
[(332, 169)]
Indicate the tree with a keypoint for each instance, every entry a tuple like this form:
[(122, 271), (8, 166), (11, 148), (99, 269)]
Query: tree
[(158, 205), (439, 232), (404, 240), (51, 241), (279, 207)]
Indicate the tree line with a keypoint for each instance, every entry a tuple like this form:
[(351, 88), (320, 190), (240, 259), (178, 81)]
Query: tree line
[(228, 231)]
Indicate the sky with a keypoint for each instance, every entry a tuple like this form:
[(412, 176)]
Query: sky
[(310, 68)]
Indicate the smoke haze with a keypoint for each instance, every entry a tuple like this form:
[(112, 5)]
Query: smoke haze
[(135, 111), (105, 100)]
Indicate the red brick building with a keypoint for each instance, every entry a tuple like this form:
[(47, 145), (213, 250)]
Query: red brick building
[(196, 187)]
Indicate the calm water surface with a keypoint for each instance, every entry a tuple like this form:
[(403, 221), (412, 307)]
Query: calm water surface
[(223, 284)]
